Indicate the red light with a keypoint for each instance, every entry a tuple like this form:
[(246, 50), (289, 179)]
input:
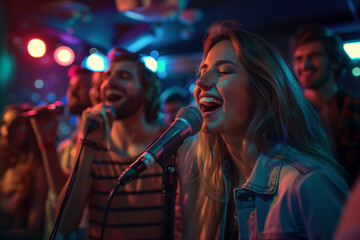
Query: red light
[(64, 56), (36, 48)]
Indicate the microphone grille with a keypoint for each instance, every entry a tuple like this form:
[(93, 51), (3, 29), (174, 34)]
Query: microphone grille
[(193, 116)]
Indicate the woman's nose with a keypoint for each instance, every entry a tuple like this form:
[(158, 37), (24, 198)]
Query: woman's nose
[(206, 81)]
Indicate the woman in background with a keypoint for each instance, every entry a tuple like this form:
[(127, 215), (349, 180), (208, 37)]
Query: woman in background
[(265, 162), (23, 185)]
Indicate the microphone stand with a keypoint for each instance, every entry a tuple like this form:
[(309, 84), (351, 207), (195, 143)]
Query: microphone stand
[(169, 186)]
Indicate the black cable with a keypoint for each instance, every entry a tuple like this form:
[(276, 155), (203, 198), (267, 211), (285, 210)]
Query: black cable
[(68, 191), (111, 195)]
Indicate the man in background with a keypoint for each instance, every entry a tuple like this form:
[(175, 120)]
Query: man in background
[(320, 63), (172, 100), (78, 100)]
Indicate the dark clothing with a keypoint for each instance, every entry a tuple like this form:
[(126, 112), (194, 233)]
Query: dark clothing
[(346, 132)]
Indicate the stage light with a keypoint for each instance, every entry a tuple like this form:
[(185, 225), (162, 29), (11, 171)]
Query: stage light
[(64, 56), (161, 65), (140, 43), (96, 62), (150, 63), (36, 48), (352, 49), (356, 71)]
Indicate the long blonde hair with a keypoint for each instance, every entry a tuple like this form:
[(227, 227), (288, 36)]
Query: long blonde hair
[(282, 114)]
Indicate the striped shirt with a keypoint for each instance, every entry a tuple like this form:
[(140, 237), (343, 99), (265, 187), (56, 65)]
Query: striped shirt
[(136, 210)]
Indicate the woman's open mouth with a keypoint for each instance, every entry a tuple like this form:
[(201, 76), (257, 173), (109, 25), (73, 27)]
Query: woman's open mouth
[(209, 104)]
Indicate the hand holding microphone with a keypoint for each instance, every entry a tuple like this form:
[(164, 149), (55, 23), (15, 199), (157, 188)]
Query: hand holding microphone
[(44, 122), (187, 123), (54, 108), (98, 117)]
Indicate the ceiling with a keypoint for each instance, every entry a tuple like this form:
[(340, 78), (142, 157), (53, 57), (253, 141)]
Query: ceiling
[(175, 28)]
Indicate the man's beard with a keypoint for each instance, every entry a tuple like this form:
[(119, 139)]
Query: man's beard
[(319, 82), (322, 80), (129, 107)]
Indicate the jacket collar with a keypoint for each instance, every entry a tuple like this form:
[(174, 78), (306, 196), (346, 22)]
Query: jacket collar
[(264, 177)]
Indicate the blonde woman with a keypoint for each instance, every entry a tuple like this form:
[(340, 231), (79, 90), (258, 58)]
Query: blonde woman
[(265, 163)]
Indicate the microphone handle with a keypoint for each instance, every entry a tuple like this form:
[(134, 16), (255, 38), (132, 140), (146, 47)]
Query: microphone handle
[(133, 171)]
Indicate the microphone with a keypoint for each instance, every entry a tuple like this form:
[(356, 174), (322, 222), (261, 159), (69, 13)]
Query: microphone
[(187, 123), (93, 125), (56, 107)]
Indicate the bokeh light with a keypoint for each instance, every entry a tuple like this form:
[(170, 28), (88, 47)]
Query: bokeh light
[(356, 71), (39, 83), (96, 62), (36, 48), (35, 97), (51, 97), (150, 63), (64, 56)]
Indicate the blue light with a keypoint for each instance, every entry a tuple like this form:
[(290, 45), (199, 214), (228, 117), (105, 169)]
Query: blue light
[(161, 65), (42, 102), (192, 88), (356, 71), (140, 43), (96, 62), (162, 74), (64, 100), (64, 128), (35, 97), (51, 97), (352, 49), (150, 63), (39, 83), (73, 120), (154, 54)]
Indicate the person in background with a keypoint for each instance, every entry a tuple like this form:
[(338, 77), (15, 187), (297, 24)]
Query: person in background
[(78, 95), (172, 100), (96, 81), (265, 163), (59, 167), (320, 64), (127, 120), (23, 185)]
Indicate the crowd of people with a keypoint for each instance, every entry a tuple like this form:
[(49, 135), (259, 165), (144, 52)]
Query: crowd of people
[(277, 155)]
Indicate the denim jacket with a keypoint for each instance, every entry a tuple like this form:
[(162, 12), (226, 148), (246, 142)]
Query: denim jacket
[(287, 196)]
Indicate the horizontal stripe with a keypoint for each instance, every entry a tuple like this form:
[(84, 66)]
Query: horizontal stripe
[(97, 238), (149, 208), (116, 177), (134, 225), (119, 193)]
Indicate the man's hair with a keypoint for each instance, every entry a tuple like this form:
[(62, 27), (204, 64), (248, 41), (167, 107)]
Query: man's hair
[(332, 44), (78, 70), (149, 80)]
